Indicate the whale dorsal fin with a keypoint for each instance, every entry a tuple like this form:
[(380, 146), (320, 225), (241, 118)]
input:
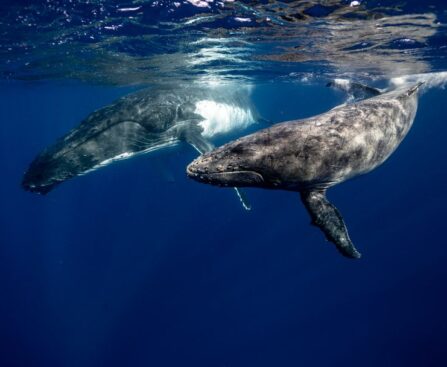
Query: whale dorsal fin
[(326, 216), (356, 91)]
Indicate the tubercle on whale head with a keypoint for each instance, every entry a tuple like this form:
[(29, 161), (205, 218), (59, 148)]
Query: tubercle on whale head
[(225, 166)]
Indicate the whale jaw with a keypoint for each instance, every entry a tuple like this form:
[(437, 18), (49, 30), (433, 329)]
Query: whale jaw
[(226, 178)]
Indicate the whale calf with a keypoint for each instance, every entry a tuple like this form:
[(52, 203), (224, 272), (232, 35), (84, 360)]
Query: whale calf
[(142, 122), (311, 155)]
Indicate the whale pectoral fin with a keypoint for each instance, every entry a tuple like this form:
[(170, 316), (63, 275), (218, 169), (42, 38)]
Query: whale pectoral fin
[(327, 217), (191, 132), (198, 142), (358, 91)]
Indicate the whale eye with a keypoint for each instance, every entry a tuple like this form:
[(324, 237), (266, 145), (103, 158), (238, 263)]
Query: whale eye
[(238, 149)]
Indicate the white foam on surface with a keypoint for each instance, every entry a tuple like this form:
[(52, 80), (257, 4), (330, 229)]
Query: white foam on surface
[(200, 3), (239, 19), (430, 80), (221, 118), (129, 9)]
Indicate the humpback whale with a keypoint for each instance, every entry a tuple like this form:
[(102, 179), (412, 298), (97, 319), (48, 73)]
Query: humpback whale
[(311, 155), (142, 122)]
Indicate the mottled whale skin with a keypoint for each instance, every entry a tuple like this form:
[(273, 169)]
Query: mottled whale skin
[(311, 155), (148, 120)]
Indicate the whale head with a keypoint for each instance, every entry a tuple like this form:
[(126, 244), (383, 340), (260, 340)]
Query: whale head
[(233, 164), (43, 175)]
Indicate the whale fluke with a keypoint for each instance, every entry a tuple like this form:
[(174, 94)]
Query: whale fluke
[(326, 216)]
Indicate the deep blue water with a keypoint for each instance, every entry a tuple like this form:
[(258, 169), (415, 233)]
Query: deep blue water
[(137, 265), (122, 267)]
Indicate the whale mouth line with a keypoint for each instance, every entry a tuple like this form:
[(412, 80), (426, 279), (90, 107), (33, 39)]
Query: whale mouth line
[(225, 178)]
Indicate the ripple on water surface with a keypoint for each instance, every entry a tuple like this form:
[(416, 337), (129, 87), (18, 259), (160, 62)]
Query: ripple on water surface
[(147, 41)]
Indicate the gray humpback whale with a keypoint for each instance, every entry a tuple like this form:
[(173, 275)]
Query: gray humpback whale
[(311, 155), (142, 122)]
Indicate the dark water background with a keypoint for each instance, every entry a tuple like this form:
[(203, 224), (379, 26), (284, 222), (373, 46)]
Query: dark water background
[(129, 267)]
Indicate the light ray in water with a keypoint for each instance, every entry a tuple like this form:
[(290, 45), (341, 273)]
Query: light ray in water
[(430, 80)]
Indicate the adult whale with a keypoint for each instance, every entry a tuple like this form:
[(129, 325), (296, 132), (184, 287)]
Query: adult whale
[(311, 155), (142, 122)]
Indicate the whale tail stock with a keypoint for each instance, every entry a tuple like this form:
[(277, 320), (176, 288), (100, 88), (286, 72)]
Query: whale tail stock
[(327, 217)]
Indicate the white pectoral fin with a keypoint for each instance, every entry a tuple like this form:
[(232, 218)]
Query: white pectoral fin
[(201, 145), (243, 198), (191, 132)]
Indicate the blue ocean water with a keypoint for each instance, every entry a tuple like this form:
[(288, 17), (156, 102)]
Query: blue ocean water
[(137, 265)]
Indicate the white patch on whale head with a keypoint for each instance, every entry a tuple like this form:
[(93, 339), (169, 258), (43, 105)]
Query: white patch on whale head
[(221, 118)]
